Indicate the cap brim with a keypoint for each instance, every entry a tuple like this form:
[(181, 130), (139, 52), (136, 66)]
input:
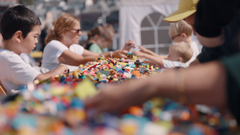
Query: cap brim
[(179, 15)]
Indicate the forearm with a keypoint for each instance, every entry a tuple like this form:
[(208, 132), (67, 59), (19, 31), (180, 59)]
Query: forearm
[(157, 60), (106, 54), (42, 77), (203, 83)]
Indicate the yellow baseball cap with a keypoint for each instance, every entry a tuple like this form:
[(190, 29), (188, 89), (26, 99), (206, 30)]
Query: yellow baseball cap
[(185, 9)]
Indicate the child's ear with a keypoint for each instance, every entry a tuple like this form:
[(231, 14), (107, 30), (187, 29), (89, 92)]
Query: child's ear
[(180, 59), (18, 36), (183, 35)]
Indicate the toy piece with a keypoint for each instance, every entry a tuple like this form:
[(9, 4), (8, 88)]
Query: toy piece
[(129, 55), (138, 63)]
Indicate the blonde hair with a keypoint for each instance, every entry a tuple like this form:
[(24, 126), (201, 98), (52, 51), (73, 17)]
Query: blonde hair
[(180, 27), (64, 21), (182, 49)]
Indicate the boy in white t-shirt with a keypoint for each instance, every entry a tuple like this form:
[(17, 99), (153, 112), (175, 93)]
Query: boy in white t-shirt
[(179, 54), (20, 28)]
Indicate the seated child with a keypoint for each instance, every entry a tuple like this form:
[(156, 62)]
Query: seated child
[(179, 54), (98, 39), (20, 28), (181, 31)]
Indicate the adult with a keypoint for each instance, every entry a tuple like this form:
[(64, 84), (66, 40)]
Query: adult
[(62, 45), (215, 83), (219, 47)]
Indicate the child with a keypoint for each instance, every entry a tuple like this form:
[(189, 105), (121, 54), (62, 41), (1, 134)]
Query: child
[(181, 31), (179, 54), (20, 28), (98, 39)]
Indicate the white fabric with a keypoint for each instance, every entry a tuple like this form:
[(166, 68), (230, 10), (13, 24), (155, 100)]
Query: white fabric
[(53, 50), (170, 64), (133, 12), (77, 49), (14, 72), (28, 59), (194, 47)]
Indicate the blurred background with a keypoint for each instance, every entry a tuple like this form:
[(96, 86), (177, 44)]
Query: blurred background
[(139, 20)]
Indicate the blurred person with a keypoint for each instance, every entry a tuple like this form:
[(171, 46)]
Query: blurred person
[(213, 51), (98, 39), (214, 83), (179, 54), (62, 45), (110, 30), (181, 32)]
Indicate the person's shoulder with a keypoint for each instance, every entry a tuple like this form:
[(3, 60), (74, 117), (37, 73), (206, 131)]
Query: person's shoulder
[(54, 42), (4, 53), (9, 56), (76, 46)]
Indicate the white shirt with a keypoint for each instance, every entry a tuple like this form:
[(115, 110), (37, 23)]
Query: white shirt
[(77, 49), (170, 64), (27, 58), (195, 52), (14, 72), (53, 50)]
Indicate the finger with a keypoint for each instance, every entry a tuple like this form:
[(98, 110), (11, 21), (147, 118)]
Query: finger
[(122, 56), (124, 51)]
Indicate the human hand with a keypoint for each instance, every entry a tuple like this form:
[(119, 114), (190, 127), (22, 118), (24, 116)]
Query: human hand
[(139, 54), (62, 68), (211, 42), (119, 54), (142, 49), (128, 45)]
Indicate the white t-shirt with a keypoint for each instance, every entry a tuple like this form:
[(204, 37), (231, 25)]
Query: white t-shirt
[(195, 52), (27, 58), (53, 50), (77, 49), (14, 72), (170, 64)]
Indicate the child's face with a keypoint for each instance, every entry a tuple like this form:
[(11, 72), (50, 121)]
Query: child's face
[(102, 43), (173, 56), (29, 42)]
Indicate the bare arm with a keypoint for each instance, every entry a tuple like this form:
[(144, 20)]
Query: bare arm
[(71, 58), (199, 88), (156, 60), (59, 70), (147, 51)]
